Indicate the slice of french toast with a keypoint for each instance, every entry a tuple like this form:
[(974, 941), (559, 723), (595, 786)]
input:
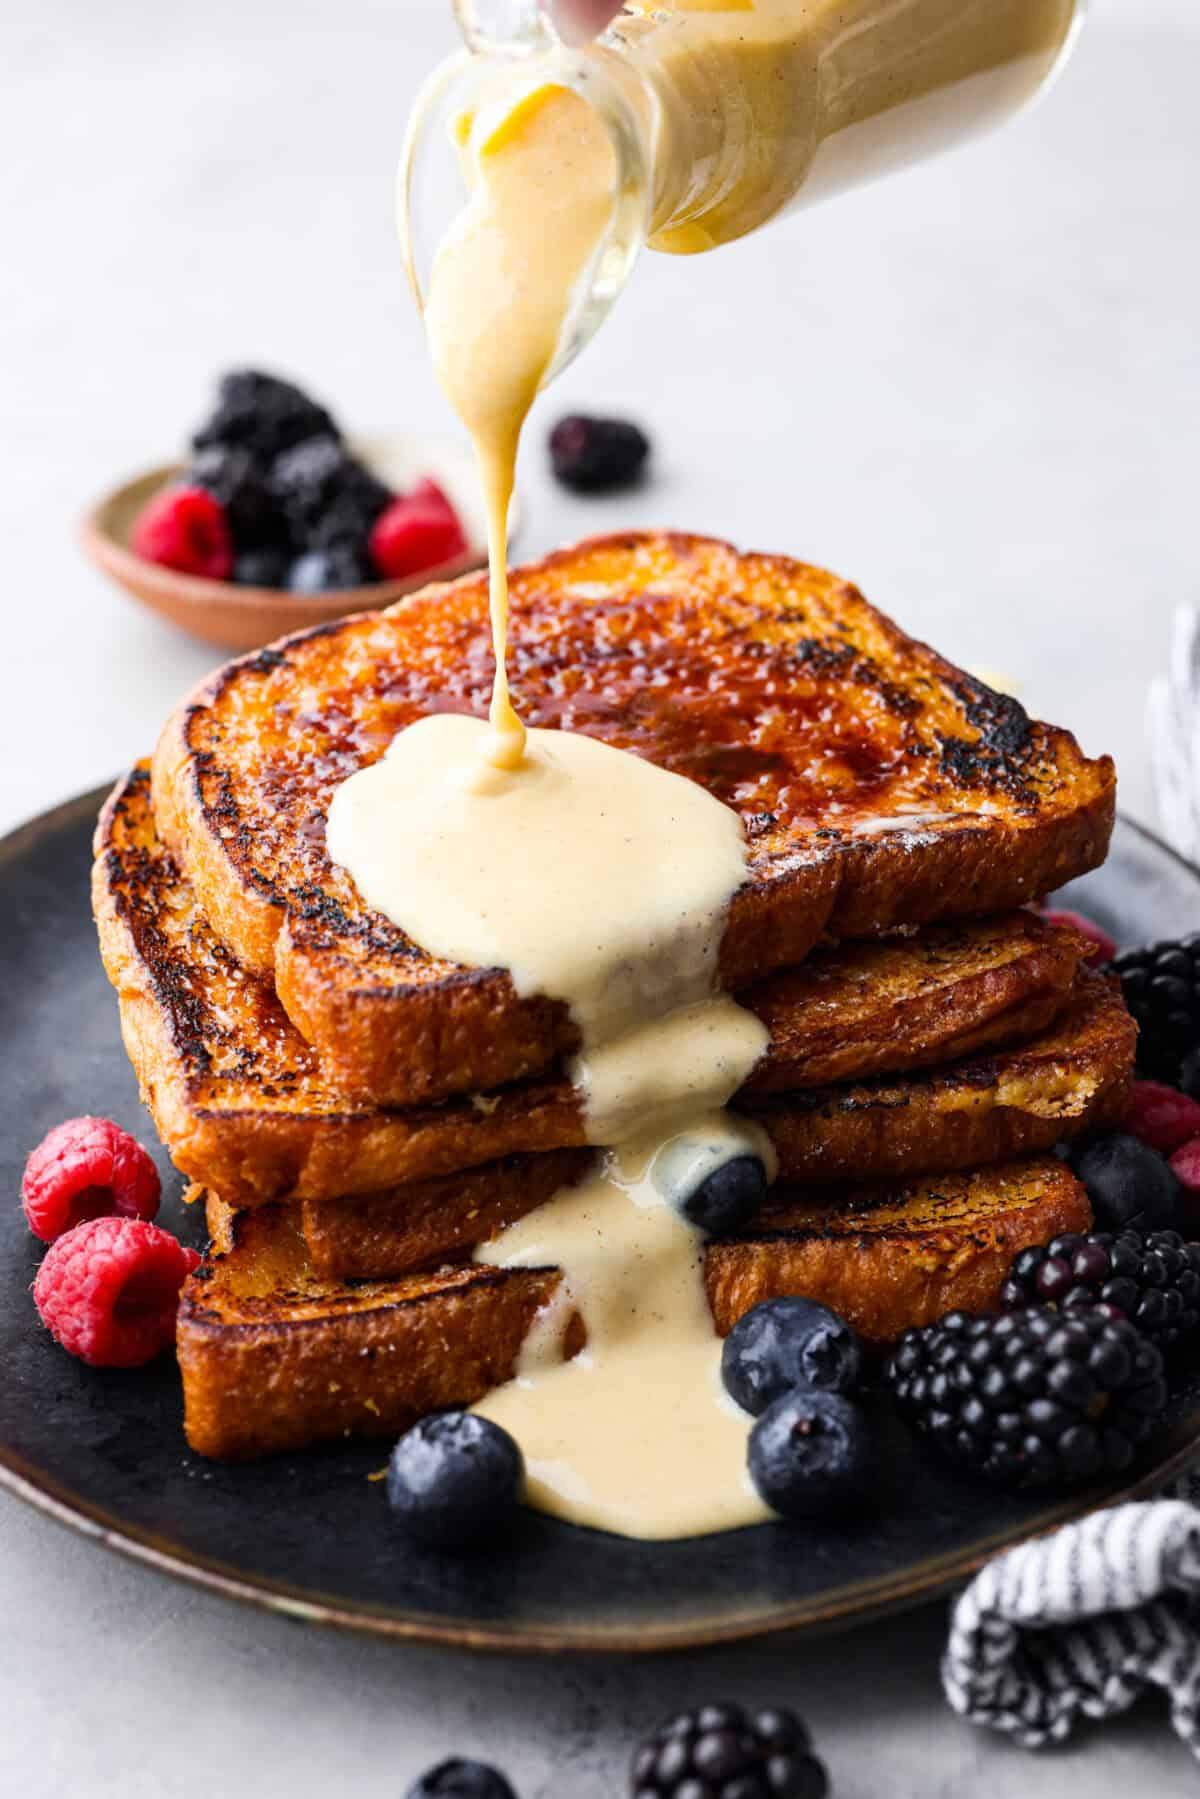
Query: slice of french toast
[(244, 1106), (274, 1357), (888, 1256), (1070, 1079), (878, 784), (425, 1224)]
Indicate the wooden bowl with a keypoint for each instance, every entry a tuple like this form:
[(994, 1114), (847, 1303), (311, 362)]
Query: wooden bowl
[(244, 618)]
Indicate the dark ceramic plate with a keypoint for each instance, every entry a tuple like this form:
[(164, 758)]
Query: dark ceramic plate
[(310, 1534)]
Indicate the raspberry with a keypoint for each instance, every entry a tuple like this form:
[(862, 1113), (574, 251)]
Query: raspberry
[(185, 528), (1161, 1116), (108, 1291), (413, 535), (1186, 1163), (1103, 946), (87, 1168), (431, 494)]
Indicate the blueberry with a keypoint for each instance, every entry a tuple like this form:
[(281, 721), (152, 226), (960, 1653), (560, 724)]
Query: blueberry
[(727, 1197), (1129, 1184), (812, 1455), (461, 1780), (455, 1479), (329, 571), (786, 1343), (261, 568), (1189, 1074)]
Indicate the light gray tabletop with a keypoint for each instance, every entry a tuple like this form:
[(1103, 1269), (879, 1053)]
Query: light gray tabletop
[(974, 390)]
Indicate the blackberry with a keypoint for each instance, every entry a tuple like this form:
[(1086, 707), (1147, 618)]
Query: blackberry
[(262, 414), (597, 455), (233, 477), (327, 496), (722, 1752), (1161, 985), (1031, 1399), (1153, 1279)]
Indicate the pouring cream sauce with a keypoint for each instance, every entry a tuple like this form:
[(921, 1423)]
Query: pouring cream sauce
[(593, 876), (541, 172)]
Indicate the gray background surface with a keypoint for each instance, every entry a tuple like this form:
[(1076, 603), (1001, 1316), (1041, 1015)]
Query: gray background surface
[(974, 390)]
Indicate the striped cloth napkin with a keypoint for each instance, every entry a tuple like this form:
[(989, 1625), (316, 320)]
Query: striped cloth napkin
[(1081, 1623)]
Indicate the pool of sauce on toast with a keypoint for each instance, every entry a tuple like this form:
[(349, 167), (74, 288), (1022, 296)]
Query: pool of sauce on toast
[(598, 878)]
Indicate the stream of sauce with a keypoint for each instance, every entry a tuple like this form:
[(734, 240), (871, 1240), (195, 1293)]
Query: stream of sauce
[(541, 174)]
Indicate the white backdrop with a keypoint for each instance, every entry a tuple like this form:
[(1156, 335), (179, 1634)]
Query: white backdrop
[(973, 389)]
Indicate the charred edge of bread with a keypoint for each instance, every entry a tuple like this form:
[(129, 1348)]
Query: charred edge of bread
[(273, 1358)]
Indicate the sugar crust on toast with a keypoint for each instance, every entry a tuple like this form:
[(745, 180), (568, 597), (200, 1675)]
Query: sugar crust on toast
[(878, 784)]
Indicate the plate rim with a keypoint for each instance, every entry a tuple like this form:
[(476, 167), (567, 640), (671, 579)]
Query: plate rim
[(837, 1608)]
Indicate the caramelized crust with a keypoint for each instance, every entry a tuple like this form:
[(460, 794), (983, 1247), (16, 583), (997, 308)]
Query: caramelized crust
[(878, 784), (243, 1104), (429, 1223), (888, 1258), (1073, 1078), (275, 1357), (1071, 1082)]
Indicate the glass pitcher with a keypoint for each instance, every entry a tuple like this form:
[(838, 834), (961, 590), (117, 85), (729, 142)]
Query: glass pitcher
[(725, 114)]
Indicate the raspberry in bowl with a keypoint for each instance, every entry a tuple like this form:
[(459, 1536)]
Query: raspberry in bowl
[(277, 521)]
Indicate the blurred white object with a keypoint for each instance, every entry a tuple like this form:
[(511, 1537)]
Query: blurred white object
[(1174, 723)]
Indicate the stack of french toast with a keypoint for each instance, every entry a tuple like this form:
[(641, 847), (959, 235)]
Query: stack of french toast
[(358, 1116)]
